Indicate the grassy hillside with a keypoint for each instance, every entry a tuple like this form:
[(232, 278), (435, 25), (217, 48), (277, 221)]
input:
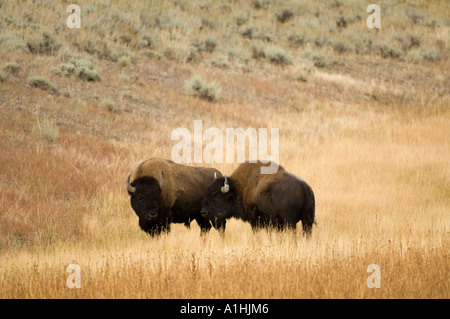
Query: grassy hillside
[(363, 114)]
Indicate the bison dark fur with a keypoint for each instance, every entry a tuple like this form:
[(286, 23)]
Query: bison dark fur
[(163, 192), (280, 200)]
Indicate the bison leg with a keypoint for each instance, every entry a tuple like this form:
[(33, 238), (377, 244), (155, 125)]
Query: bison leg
[(291, 226), (159, 228), (256, 224), (285, 225), (307, 226), (148, 227), (204, 224), (154, 231), (281, 225), (219, 224), (154, 228)]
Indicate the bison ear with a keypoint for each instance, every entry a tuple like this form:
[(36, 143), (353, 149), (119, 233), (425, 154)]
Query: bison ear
[(130, 188), (226, 187)]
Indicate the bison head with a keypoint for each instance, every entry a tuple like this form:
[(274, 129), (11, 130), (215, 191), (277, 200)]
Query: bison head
[(220, 201), (145, 195)]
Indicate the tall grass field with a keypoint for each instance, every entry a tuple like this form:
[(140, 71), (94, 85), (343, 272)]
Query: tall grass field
[(363, 116)]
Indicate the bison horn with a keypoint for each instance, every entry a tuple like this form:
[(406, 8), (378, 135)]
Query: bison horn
[(163, 180), (226, 186), (215, 175), (130, 188)]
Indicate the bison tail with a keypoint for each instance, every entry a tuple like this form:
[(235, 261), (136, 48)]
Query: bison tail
[(309, 211)]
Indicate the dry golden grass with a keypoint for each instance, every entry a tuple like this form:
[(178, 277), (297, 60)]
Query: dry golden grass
[(370, 135), (382, 198)]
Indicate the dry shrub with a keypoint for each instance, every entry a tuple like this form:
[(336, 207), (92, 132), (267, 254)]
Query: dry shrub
[(196, 86), (42, 83)]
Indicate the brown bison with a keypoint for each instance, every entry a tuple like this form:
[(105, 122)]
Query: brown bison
[(280, 200), (163, 192)]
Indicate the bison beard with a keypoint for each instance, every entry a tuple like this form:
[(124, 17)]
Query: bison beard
[(280, 200), (163, 192)]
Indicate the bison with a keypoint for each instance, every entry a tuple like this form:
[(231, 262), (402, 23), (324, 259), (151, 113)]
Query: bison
[(163, 192), (278, 200)]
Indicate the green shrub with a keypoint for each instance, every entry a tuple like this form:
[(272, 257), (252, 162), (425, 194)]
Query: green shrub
[(91, 47), (210, 44), (386, 49), (170, 53), (414, 40), (341, 46), (261, 4), (67, 92), (241, 18), (83, 66), (110, 105), (248, 33), (301, 77), (66, 69), (421, 55), (13, 43), (257, 52), (284, 15), (341, 22), (125, 38), (147, 41), (9, 68), (46, 44), (207, 23), (42, 83), (277, 56), (12, 68), (220, 62), (236, 53), (124, 61), (193, 54), (131, 96), (257, 4), (296, 40), (321, 41), (88, 75), (431, 54), (317, 58), (81, 61), (109, 53), (196, 86)]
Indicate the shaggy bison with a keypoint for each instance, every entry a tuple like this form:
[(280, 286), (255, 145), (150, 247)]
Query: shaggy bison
[(163, 192), (279, 199)]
